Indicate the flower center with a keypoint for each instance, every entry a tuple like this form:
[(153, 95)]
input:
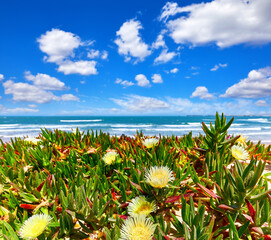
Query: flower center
[(139, 233)]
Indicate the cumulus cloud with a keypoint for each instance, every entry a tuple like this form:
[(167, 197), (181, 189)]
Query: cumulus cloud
[(80, 67), (124, 83), (202, 93), (1, 77), (174, 70), (130, 43), (27, 92), (58, 44), (69, 97), (157, 78), (164, 57), (97, 54), (256, 85), (142, 80), (217, 66), (24, 92), (104, 55), (223, 22), (93, 53), (136, 103), (159, 42), (261, 103), (60, 48), (45, 81)]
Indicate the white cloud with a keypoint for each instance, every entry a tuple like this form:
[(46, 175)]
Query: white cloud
[(27, 93), (80, 67), (97, 54), (19, 110), (93, 53), (217, 66), (174, 70), (256, 85), (159, 42), (202, 93), (24, 92), (32, 106), (136, 103), (1, 77), (261, 103), (170, 9), (130, 43), (104, 55), (69, 97), (59, 47), (142, 81), (124, 83), (45, 81), (223, 22), (58, 44), (156, 78), (164, 57)]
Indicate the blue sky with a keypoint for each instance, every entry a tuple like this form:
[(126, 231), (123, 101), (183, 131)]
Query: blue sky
[(135, 57)]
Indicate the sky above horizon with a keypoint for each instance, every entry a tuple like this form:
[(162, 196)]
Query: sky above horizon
[(135, 57)]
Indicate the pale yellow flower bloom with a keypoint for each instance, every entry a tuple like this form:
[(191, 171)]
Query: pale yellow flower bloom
[(110, 157), (150, 142), (140, 206), (239, 153), (32, 140), (241, 140), (137, 228), (34, 226), (159, 177)]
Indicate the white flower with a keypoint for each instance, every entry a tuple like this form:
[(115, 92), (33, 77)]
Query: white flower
[(159, 177), (137, 228), (110, 157), (34, 226), (32, 140), (140, 206), (239, 153), (150, 142)]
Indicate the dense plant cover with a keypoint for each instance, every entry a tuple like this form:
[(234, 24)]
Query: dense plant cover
[(96, 186)]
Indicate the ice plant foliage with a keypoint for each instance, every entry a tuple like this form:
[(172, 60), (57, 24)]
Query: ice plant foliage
[(150, 142), (110, 157), (140, 206), (201, 180), (137, 228), (239, 153), (34, 226), (159, 177)]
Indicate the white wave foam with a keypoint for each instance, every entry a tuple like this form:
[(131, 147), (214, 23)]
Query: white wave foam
[(260, 120), (246, 129), (130, 125), (92, 120)]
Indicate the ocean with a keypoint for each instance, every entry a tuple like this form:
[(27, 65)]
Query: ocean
[(255, 128)]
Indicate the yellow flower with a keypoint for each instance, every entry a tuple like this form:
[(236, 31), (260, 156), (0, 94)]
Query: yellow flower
[(150, 142), (239, 153), (140, 206), (110, 157), (137, 228), (241, 140), (1, 188), (32, 140), (34, 226), (159, 177)]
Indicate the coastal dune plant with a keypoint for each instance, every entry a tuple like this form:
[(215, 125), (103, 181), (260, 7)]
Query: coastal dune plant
[(90, 185)]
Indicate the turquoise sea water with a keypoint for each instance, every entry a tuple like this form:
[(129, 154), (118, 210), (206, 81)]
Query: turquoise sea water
[(255, 128)]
